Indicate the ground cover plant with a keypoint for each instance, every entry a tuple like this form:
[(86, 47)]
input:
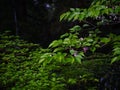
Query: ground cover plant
[(73, 62), (22, 68), (27, 66)]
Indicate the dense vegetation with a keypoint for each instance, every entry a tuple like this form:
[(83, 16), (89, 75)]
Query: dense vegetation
[(84, 58)]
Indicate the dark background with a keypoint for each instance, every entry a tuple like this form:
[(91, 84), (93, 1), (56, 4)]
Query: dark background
[(37, 21)]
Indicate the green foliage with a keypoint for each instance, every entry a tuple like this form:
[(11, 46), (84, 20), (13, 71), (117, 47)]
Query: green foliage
[(70, 61), (62, 48), (27, 66), (70, 47), (98, 9), (83, 14), (116, 48), (21, 68)]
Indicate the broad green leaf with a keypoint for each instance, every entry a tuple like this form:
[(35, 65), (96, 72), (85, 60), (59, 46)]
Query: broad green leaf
[(117, 51), (67, 15), (105, 40), (72, 9), (81, 16), (41, 60), (71, 81), (86, 44), (78, 58), (62, 16), (67, 41), (46, 55), (59, 56), (93, 49), (78, 9), (97, 13), (86, 25), (82, 54), (117, 9), (114, 60), (75, 28), (97, 45), (64, 35), (70, 59), (56, 43), (58, 49), (76, 17), (71, 16), (72, 51), (89, 39)]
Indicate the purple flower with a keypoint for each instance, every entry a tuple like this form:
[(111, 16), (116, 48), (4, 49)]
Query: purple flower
[(85, 49)]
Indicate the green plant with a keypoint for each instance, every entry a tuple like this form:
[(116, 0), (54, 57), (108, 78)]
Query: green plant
[(116, 48), (100, 13), (20, 66), (96, 9), (64, 64)]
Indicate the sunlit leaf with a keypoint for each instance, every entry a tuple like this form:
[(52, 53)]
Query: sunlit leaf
[(71, 81), (72, 9), (66, 41), (70, 59), (75, 28), (72, 52), (71, 17), (56, 43), (58, 49), (78, 58), (64, 35), (105, 40), (86, 25), (62, 16), (114, 60)]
